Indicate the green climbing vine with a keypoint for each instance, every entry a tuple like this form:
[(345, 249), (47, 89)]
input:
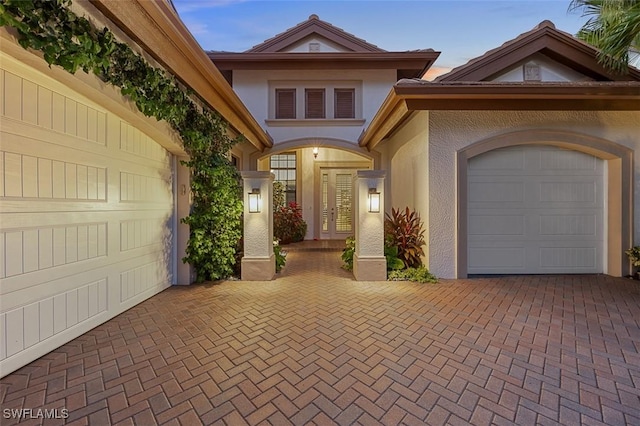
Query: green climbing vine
[(72, 42)]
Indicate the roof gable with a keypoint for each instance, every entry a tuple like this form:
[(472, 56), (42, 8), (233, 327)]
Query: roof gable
[(546, 40), (317, 28)]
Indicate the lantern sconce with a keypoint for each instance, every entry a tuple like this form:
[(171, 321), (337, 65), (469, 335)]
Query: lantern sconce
[(374, 200), (254, 200), (315, 152)]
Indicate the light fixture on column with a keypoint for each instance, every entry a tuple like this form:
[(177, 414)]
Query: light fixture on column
[(254, 200), (315, 152), (374, 200)]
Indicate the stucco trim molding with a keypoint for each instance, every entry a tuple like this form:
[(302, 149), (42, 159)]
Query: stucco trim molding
[(340, 144), (619, 187)]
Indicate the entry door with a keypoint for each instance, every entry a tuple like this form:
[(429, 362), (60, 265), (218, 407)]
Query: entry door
[(336, 215)]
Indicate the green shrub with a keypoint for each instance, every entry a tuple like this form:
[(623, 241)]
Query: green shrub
[(390, 253), (288, 225), (348, 252), (419, 275), (403, 229), (215, 218), (281, 256)]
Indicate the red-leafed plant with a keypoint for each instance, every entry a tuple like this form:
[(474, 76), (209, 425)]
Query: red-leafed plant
[(404, 230), (288, 225)]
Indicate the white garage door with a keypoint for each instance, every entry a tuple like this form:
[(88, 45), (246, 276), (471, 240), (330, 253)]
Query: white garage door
[(535, 210), (86, 215)]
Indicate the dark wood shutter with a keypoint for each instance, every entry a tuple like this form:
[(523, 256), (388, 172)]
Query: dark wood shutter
[(314, 103), (285, 103), (345, 103)]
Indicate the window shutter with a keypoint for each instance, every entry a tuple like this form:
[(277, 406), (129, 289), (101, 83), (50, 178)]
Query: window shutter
[(345, 103), (315, 103), (285, 103)]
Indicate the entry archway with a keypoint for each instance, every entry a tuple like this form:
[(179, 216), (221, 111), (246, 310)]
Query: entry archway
[(323, 182), (618, 187)]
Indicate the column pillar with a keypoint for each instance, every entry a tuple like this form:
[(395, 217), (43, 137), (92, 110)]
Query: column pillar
[(258, 262), (369, 263)]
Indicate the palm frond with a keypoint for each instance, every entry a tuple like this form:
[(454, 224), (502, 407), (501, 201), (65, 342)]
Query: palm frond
[(613, 27)]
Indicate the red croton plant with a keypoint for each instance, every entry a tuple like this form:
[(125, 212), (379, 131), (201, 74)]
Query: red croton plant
[(288, 225), (403, 229)]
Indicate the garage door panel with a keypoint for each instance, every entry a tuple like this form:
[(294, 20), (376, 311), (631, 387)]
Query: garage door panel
[(154, 274), (129, 149), (568, 162), (559, 258), (33, 103), (496, 225), (490, 258), (560, 225), (50, 315), (557, 227), (501, 162), (48, 252), (496, 191)]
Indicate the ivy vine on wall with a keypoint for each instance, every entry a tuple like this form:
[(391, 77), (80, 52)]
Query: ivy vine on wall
[(72, 42)]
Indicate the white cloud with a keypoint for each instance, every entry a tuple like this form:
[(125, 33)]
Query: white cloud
[(196, 28)]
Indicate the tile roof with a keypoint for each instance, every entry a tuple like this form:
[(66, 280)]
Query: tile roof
[(546, 39), (315, 25)]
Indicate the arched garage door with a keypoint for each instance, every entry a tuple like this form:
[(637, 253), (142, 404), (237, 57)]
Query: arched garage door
[(86, 215), (535, 210)]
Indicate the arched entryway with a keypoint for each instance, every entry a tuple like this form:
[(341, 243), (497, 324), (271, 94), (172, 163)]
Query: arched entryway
[(618, 184), (318, 175)]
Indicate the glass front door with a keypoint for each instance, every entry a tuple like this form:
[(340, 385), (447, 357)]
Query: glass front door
[(337, 196)]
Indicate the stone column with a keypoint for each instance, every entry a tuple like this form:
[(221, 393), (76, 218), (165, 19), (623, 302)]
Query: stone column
[(369, 263), (258, 262)]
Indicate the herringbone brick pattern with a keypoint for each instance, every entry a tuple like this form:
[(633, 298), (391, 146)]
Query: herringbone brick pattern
[(316, 347)]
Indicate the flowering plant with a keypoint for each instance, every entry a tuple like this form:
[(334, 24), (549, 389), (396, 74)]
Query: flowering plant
[(288, 225)]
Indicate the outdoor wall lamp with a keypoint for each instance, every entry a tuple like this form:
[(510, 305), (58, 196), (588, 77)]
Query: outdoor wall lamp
[(254, 200), (374, 200), (315, 152)]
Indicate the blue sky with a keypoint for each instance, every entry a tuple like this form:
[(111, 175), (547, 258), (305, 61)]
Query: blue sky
[(460, 29)]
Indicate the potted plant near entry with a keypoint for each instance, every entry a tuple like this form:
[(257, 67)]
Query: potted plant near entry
[(634, 256)]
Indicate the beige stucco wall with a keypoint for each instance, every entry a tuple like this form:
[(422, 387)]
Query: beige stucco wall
[(449, 131), (405, 156), (372, 86)]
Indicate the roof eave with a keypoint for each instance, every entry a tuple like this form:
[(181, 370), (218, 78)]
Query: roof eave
[(414, 64), (157, 28), (407, 98)]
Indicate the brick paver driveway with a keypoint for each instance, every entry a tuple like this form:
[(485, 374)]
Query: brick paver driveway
[(314, 346)]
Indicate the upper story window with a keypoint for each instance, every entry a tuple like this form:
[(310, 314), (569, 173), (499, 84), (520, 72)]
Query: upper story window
[(345, 105), (285, 103), (314, 103)]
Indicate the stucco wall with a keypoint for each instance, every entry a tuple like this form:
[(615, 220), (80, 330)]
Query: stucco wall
[(253, 88), (406, 158), (449, 131)]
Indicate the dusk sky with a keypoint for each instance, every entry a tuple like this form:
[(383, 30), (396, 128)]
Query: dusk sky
[(461, 30)]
